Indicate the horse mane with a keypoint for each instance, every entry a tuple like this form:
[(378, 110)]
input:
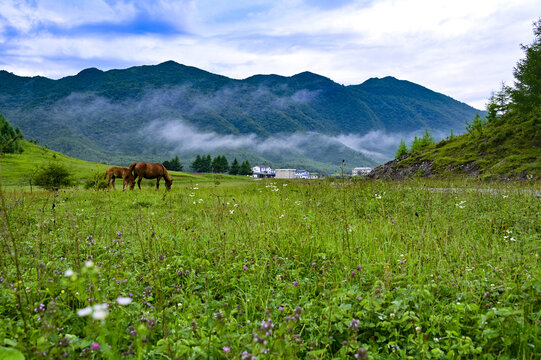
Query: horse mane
[(166, 174)]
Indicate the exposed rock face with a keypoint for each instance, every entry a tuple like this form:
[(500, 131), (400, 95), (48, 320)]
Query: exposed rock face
[(395, 171)]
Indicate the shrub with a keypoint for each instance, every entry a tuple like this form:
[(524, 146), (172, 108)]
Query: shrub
[(96, 181), (53, 176)]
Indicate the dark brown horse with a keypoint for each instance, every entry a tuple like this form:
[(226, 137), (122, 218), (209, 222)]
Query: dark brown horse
[(150, 171), (119, 172)]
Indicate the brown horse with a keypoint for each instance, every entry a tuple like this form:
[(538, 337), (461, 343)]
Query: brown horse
[(150, 171), (120, 172)]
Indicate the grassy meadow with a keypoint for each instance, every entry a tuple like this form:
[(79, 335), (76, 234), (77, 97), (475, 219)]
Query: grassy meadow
[(224, 268)]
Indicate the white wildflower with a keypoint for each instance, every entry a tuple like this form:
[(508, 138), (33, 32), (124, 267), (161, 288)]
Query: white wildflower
[(68, 273), (85, 311), (121, 300), (99, 312), (89, 263)]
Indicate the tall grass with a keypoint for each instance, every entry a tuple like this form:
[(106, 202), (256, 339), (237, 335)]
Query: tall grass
[(271, 269)]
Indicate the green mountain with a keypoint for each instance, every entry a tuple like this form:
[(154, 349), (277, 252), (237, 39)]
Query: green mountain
[(154, 112), (505, 145)]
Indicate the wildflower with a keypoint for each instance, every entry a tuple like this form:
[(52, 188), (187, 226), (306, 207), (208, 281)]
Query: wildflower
[(281, 308), (360, 298), (247, 356), (461, 204), (218, 315), (378, 196), (226, 349), (68, 273), (418, 329), (436, 340), (354, 324), (244, 267), (352, 272), (100, 312), (231, 211), (95, 346), (361, 354), (121, 300), (89, 263), (266, 327), (85, 311), (295, 283)]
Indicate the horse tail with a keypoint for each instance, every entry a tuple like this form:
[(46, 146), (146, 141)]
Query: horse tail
[(131, 168)]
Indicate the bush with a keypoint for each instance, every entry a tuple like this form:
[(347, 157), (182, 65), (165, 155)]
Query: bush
[(53, 176), (96, 181)]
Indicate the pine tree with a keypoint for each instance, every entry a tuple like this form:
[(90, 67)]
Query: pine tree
[(527, 93), (196, 164), (245, 168), (402, 149), (9, 137), (206, 164), (234, 169)]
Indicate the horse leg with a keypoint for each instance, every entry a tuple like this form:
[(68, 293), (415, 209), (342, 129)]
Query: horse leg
[(139, 182), (108, 183), (158, 182), (124, 181), (114, 182)]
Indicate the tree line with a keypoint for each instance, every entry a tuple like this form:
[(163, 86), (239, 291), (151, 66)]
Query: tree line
[(206, 164)]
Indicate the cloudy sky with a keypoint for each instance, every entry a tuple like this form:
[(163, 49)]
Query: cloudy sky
[(462, 48)]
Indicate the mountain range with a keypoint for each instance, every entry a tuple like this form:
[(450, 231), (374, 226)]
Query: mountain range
[(155, 112)]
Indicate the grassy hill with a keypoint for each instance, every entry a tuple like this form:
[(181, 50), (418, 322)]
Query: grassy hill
[(507, 145), (16, 170), (507, 148)]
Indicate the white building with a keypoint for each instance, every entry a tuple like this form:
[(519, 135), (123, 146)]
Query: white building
[(263, 171), (361, 171), (285, 173)]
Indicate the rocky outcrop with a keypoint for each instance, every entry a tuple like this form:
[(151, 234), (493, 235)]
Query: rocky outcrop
[(398, 169), (393, 170)]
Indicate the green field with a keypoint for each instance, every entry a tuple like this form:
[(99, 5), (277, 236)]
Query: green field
[(227, 268)]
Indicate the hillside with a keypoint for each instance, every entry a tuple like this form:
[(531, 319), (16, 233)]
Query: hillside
[(507, 149), (16, 170), (153, 112), (507, 145)]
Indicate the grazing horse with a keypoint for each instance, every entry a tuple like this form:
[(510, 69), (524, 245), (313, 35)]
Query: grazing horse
[(150, 171), (120, 172)]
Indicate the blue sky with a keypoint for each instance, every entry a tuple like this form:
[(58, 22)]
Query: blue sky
[(462, 48)]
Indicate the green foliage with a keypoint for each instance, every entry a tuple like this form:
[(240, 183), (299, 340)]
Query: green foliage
[(422, 142), (245, 168), (96, 181), (9, 137), (173, 164), (498, 104), (220, 164), (526, 95), (54, 176), (476, 126), (402, 149), (234, 169)]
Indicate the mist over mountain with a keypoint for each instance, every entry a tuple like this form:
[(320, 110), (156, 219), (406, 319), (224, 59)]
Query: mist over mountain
[(154, 112)]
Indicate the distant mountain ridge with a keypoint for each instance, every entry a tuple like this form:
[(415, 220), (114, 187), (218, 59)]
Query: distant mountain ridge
[(115, 115)]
